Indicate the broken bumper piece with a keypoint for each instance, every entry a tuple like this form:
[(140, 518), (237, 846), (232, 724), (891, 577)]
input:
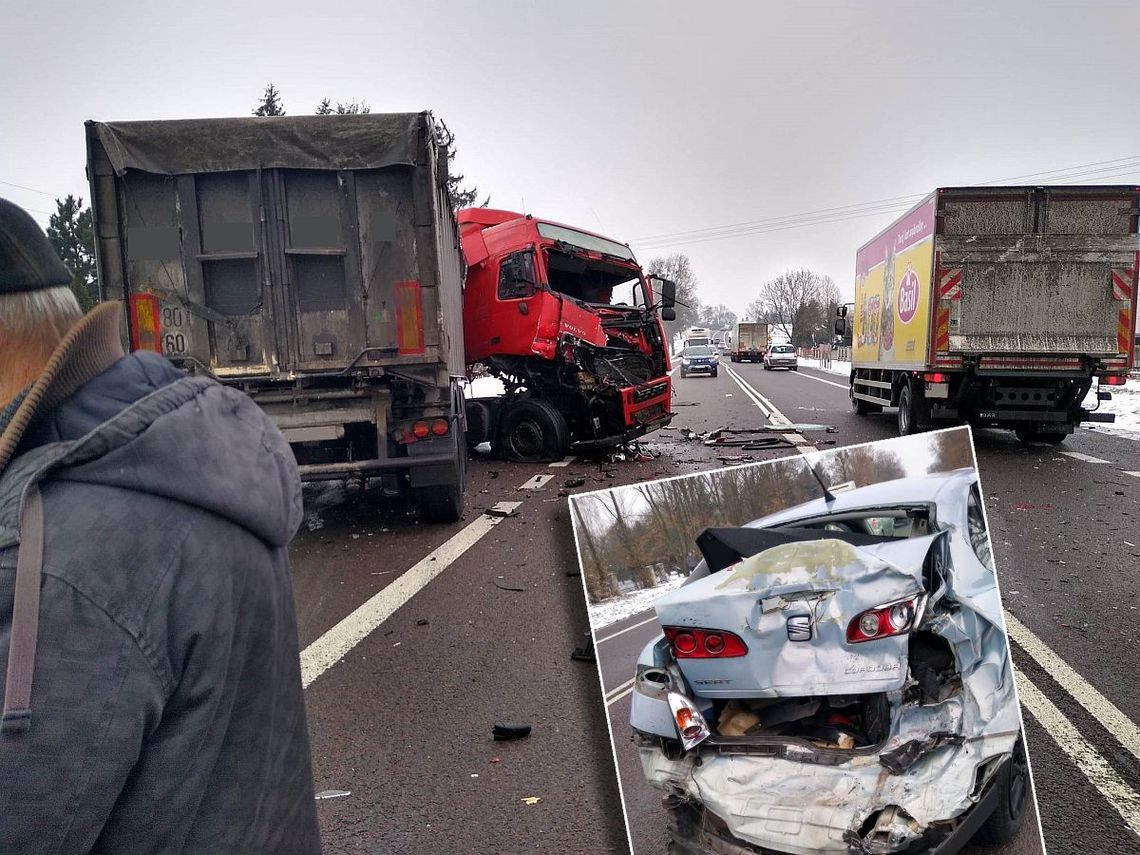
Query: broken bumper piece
[(772, 805)]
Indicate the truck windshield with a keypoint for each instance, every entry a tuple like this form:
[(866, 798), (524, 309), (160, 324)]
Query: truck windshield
[(582, 240), (603, 282)]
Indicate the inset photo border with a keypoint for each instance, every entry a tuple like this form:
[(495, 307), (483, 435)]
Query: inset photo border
[(809, 655)]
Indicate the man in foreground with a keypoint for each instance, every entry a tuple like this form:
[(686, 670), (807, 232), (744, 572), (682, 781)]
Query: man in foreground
[(152, 698)]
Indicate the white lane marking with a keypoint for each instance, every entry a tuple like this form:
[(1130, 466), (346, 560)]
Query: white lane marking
[(627, 629), (331, 647), (801, 444), (1101, 708), (1133, 474), (565, 461), (536, 482), (844, 386), (623, 687), (1088, 760), (1087, 458), (615, 699)]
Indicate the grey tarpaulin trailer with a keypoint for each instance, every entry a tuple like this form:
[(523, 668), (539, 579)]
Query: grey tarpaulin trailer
[(311, 261)]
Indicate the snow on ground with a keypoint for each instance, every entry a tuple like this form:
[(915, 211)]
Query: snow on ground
[(1125, 404), (624, 605), (483, 387), (836, 367)]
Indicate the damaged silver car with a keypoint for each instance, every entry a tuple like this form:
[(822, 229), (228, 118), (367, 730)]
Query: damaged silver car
[(836, 678)]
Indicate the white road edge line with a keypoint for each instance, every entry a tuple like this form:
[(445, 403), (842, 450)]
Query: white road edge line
[(802, 445), (1102, 709), (623, 631), (536, 482), (1087, 759), (844, 386), (1133, 474), (331, 647), (1087, 458)]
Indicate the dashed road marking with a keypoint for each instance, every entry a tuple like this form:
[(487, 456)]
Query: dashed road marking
[(1099, 772), (1087, 458), (624, 631), (1101, 708), (536, 482), (331, 647), (802, 445)]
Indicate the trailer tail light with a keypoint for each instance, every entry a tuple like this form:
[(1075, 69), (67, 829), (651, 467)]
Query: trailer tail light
[(145, 332), (1113, 380), (690, 643), (691, 725), (423, 429), (896, 618), (936, 377)]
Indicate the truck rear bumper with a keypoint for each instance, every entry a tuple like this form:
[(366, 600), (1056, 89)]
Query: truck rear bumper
[(372, 468)]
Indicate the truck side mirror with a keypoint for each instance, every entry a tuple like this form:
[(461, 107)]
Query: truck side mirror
[(669, 314), (841, 326), (666, 293)]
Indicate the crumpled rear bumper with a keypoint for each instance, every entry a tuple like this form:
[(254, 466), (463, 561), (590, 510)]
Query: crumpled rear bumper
[(795, 807)]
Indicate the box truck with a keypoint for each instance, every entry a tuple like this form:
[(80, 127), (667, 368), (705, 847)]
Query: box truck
[(312, 262), (749, 342), (998, 306)]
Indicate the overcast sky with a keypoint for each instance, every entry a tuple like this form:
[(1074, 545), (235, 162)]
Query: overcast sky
[(634, 119)]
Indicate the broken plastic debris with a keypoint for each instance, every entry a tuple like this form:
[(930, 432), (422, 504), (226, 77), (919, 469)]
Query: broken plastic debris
[(499, 512), (505, 730), (333, 794), (531, 800)]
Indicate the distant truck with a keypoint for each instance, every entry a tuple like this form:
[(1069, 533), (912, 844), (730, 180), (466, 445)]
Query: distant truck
[(998, 306), (749, 342), (572, 326), (695, 337), (312, 262)]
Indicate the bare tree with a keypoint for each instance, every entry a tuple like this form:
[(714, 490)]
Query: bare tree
[(799, 303), (678, 268)]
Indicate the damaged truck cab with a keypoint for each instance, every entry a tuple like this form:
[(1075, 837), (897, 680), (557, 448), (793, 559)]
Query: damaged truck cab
[(836, 678), (572, 326)]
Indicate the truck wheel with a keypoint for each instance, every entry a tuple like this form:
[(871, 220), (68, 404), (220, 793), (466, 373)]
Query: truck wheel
[(1013, 782), (533, 431), (912, 411), (440, 504)]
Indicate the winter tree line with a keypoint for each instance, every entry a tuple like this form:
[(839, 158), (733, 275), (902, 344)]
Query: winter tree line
[(639, 533)]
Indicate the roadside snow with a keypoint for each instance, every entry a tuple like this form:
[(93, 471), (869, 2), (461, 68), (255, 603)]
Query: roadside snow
[(625, 605), (836, 367), (483, 387), (1125, 404)]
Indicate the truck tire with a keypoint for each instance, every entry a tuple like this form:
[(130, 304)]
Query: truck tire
[(912, 411), (1013, 782), (532, 430)]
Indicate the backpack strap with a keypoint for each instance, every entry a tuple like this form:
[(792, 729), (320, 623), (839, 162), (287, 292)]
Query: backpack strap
[(25, 617)]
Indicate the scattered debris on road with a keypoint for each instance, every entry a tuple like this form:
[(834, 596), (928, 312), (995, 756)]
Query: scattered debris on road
[(333, 794), (531, 800), (499, 512), (506, 587), (505, 730), (571, 483)]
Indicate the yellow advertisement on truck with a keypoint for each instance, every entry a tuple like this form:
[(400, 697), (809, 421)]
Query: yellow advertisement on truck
[(892, 300)]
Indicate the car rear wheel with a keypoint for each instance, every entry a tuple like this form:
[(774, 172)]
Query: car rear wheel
[(1013, 783), (532, 431)]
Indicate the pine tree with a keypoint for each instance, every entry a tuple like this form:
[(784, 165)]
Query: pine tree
[(72, 235), (461, 197), (270, 104)]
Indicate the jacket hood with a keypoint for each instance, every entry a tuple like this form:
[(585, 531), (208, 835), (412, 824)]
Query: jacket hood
[(144, 426)]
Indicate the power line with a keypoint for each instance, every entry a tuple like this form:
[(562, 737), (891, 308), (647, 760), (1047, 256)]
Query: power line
[(1101, 169), (32, 189)]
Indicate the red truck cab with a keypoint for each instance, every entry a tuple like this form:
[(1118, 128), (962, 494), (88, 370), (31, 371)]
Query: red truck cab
[(570, 323)]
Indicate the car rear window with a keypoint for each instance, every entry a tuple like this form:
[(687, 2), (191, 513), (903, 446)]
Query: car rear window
[(783, 348)]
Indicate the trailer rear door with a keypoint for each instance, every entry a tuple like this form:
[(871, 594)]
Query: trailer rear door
[(1036, 270)]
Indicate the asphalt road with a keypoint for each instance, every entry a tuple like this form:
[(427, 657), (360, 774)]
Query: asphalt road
[(451, 628)]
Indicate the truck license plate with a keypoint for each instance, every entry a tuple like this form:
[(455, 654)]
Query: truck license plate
[(987, 414)]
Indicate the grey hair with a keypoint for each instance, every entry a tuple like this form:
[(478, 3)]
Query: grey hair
[(36, 321)]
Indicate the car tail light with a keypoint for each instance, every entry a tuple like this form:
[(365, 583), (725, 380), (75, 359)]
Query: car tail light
[(936, 377), (896, 618), (691, 725), (690, 643), (420, 430), (1113, 380), (439, 427)]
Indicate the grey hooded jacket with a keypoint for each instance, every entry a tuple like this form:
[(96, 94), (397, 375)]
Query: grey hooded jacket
[(166, 706)]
